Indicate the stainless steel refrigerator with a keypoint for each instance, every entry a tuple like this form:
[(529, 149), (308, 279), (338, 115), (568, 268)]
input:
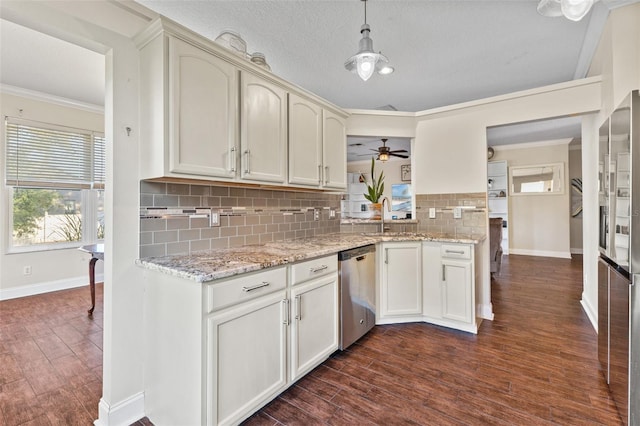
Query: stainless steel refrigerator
[(619, 264)]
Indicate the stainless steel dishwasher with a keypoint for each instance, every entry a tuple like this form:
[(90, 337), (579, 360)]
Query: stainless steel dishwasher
[(357, 271)]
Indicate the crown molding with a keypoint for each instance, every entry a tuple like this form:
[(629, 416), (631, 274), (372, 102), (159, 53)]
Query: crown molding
[(527, 145), (52, 99)]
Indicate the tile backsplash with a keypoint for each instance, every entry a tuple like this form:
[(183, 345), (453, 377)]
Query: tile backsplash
[(247, 216), (473, 222)]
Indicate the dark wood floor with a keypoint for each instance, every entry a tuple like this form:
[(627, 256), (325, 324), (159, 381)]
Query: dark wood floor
[(51, 359), (534, 364)]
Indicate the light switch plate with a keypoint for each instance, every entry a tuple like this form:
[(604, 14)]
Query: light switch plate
[(457, 212), (432, 212)]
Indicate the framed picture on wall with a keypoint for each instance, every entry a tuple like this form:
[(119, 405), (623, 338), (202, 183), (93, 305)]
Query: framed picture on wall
[(405, 172)]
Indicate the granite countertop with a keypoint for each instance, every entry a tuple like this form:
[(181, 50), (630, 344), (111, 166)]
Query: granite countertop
[(216, 264)]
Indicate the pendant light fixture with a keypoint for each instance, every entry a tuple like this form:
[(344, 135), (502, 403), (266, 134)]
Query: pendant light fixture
[(366, 61), (574, 10)]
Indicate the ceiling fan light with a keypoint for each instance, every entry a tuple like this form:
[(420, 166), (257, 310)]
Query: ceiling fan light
[(550, 8), (383, 156), (575, 10)]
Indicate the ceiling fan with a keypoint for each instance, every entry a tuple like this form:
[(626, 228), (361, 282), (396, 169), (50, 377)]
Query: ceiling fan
[(384, 152)]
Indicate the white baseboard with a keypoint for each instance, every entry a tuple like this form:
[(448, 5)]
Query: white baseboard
[(123, 413), (542, 253), (46, 287), (592, 314), (485, 311)]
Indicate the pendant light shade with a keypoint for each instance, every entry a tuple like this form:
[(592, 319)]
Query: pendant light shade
[(367, 61), (574, 10)]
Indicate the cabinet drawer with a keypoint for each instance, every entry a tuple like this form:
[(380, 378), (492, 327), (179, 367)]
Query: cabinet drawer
[(304, 271), (456, 251), (245, 287)]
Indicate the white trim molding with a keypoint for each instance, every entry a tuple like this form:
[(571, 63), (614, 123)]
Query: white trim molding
[(46, 287), (541, 253), (592, 313), (122, 413), (45, 97), (485, 311)]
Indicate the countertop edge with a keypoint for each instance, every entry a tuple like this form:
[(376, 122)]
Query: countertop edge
[(188, 267)]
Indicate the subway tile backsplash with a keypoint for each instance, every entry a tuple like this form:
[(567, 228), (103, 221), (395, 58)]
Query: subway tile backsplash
[(472, 224), (247, 216)]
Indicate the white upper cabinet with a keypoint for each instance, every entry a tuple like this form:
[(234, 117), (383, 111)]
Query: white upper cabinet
[(263, 140), (202, 112), (305, 142), (317, 145), (334, 153), (208, 114)]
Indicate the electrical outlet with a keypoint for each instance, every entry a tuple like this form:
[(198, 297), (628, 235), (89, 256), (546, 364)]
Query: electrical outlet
[(432, 212), (457, 213), (316, 214), (27, 270), (332, 213), (215, 219)]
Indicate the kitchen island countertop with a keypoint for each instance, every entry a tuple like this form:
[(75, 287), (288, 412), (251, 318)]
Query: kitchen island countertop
[(215, 264)]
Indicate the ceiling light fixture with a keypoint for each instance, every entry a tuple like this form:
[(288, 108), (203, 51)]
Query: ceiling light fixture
[(383, 156), (574, 10), (366, 61)]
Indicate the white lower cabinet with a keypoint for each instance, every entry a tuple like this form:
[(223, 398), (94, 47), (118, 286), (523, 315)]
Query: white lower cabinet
[(400, 283), (449, 285), (216, 352), (246, 358), (314, 324)]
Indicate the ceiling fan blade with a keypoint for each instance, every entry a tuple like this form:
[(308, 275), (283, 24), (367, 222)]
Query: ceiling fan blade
[(398, 155), (375, 150), (398, 150)]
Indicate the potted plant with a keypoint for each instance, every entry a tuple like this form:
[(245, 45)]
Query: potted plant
[(375, 191)]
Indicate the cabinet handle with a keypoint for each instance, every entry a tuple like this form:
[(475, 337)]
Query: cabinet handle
[(286, 320), (321, 268), (326, 174), (298, 308), (246, 161), (232, 159), (319, 173), (454, 251), (444, 274), (255, 287)]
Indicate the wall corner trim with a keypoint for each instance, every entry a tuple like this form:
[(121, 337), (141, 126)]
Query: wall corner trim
[(122, 413), (592, 314)]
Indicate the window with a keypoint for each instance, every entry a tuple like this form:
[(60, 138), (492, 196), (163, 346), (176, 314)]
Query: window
[(56, 179)]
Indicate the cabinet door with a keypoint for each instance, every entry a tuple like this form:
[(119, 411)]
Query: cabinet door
[(456, 290), (334, 151), (246, 357), (401, 282), (314, 332), (305, 142), (203, 111), (263, 137)]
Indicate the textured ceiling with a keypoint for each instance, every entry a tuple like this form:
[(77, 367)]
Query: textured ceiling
[(444, 51)]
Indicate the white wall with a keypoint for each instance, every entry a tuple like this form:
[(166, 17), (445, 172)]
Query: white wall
[(52, 269), (539, 223), (107, 27)]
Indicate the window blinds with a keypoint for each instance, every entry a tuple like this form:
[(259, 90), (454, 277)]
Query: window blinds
[(47, 156)]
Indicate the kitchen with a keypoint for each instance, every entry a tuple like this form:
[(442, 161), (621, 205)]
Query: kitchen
[(462, 163)]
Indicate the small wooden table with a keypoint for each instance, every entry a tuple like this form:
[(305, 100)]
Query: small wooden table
[(97, 253)]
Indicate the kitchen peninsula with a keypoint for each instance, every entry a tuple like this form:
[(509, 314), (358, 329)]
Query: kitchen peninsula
[(230, 329)]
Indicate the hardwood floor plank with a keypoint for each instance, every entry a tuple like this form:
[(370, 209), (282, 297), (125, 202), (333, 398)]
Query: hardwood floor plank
[(535, 364)]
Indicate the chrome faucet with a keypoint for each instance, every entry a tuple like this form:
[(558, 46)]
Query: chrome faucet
[(385, 199)]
